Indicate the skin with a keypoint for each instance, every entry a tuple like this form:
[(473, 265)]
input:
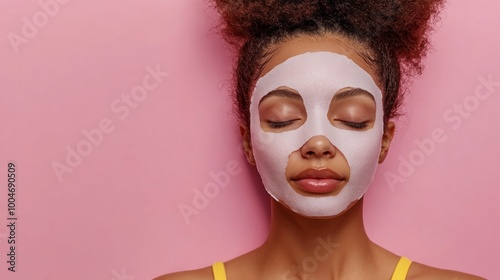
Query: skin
[(294, 238)]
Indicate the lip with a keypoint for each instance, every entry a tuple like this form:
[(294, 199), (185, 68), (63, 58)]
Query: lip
[(318, 181)]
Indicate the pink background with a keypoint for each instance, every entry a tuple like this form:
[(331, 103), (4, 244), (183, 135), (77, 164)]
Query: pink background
[(116, 214)]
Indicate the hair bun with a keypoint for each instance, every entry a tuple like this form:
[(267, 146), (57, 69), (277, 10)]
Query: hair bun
[(251, 18), (401, 25)]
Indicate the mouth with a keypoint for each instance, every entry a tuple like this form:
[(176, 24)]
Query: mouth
[(318, 181)]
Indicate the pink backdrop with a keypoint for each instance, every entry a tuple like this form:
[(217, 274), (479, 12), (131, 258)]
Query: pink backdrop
[(116, 113)]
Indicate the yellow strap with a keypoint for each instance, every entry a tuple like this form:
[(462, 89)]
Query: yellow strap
[(399, 273), (401, 269), (219, 271)]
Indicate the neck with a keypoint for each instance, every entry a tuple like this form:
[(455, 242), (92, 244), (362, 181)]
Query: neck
[(302, 248)]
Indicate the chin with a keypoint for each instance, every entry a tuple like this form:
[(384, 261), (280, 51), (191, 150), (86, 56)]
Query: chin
[(327, 217)]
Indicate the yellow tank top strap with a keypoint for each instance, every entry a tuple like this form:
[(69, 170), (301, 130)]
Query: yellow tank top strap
[(219, 271), (401, 269), (399, 273)]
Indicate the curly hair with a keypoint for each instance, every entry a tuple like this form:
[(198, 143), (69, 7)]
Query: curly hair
[(395, 33)]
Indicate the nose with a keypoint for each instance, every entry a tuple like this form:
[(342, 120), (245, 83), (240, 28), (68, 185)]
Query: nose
[(317, 147)]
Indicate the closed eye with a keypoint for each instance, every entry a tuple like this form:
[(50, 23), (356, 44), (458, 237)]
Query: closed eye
[(355, 125), (273, 124)]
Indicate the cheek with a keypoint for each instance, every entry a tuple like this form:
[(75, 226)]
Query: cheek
[(260, 141), (362, 152)]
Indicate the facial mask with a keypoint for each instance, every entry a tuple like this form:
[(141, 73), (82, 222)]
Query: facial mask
[(316, 76)]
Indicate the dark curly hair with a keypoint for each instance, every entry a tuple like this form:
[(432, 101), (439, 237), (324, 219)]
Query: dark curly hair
[(394, 33)]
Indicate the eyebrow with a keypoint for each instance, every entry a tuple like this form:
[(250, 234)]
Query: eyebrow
[(282, 93), (352, 92), (339, 96)]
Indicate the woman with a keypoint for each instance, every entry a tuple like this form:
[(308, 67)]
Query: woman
[(318, 84)]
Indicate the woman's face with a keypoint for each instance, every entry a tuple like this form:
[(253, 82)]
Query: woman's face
[(316, 125)]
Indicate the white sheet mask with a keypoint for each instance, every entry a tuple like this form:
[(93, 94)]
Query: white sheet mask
[(316, 76)]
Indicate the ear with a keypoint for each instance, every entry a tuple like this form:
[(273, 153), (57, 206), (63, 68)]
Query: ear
[(386, 141), (247, 144)]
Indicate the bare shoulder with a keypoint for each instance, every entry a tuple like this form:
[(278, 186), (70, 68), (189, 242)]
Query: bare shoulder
[(199, 274), (420, 271)]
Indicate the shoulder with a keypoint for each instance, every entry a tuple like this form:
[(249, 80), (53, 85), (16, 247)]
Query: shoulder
[(420, 271), (199, 274)]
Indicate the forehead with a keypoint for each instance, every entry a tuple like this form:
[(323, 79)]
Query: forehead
[(329, 43), (316, 76)]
